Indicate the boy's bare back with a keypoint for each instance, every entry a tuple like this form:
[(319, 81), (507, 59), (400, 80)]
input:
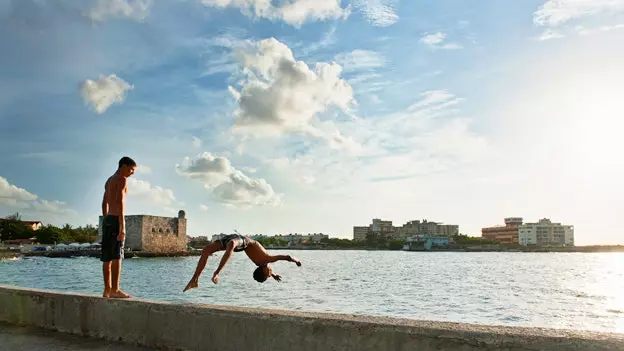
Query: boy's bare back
[(114, 192)]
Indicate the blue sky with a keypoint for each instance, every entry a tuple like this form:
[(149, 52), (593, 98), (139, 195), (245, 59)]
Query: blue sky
[(315, 116)]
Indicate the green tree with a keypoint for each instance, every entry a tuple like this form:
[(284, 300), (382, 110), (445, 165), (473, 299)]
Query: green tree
[(50, 235), (13, 228), (396, 244)]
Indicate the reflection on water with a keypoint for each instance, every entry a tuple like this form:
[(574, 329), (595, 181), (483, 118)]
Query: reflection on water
[(560, 290)]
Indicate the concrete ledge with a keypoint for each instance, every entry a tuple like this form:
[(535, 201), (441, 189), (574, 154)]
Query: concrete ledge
[(207, 327)]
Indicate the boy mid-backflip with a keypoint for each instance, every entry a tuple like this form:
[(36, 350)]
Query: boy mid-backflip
[(236, 243)]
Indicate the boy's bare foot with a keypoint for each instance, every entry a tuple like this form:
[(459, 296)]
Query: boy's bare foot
[(106, 293), (119, 295), (192, 284)]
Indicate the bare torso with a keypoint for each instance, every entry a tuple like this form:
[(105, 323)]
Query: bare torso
[(256, 253), (113, 195)]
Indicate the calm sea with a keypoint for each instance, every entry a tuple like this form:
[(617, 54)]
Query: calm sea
[(559, 290)]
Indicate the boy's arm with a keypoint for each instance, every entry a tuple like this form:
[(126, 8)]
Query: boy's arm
[(122, 205), (104, 205), (226, 256)]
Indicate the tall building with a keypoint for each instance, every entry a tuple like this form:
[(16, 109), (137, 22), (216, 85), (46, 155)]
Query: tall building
[(507, 234), (545, 232), (411, 228), (427, 228), (377, 227), (360, 233)]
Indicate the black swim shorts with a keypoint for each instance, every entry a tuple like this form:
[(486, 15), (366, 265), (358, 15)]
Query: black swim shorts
[(243, 241), (112, 249)]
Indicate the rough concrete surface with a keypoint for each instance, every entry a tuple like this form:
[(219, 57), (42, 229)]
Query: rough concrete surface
[(209, 327), (16, 338)]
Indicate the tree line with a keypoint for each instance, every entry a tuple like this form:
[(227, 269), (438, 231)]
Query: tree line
[(12, 228)]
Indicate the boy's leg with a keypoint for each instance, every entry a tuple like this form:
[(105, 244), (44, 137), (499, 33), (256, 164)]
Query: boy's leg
[(106, 270), (116, 272), (203, 260)]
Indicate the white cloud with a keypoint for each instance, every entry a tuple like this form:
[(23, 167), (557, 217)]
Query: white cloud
[(196, 142), (554, 13), (435, 41), (16, 197), (308, 179), (203, 207), (228, 184), (294, 12), (55, 207), (133, 9), (104, 92), (380, 13), (143, 169), (360, 60), (549, 34), (588, 31), (12, 195), (152, 194), (428, 137), (281, 95)]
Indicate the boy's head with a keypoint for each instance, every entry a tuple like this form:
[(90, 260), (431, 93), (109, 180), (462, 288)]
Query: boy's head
[(127, 166), (262, 273)]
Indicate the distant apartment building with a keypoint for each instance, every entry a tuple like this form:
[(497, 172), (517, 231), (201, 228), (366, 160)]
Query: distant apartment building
[(507, 234), (411, 228), (425, 227), (545, 232), (360, 233), (377, 227)]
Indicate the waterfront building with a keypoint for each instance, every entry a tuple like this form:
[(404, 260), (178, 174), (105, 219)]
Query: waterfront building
[(154, 233), (545, 232), (507, 234)]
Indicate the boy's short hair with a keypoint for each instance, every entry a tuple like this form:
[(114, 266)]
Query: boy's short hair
[(127, 161), (259, 274)]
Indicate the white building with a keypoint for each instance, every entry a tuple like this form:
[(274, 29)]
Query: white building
[(545, 232)]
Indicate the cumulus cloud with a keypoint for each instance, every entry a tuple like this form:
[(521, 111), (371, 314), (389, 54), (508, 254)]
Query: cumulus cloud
[(293, 12), (436, 41), (554, 13), (13, 195), (549, 34), (143, 169), (380, 13), (360, 60), (137, 10), (228, 184), (281, 95), (203, 207), (104, 92), (152, 194), (16, 197)]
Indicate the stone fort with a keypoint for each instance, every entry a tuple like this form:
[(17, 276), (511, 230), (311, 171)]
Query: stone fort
[(154, 233)]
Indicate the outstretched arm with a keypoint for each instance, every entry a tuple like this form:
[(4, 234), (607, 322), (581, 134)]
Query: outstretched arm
[(226, 256)]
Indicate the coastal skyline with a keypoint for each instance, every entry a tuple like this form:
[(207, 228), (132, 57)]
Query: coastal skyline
[(316, 116)]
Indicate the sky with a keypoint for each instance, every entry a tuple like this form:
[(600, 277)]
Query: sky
[(315, 116)]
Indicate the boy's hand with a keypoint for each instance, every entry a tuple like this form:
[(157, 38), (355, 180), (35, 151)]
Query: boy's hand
[(215, 278), (277, 277), (122, 235)]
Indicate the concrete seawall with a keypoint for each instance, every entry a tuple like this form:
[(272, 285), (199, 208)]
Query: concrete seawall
[(207, 327)]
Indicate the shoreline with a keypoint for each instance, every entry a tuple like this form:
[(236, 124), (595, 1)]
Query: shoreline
[(140, 254)]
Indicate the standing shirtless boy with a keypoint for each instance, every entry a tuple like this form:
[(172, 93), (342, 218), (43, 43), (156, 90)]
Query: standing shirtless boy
[(114, 226), (236, 243)]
